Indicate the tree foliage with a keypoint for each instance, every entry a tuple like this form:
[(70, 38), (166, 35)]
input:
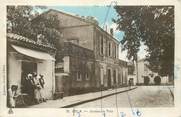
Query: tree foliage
[(27, 21), (154, 27), (131, 68), (19, 20)]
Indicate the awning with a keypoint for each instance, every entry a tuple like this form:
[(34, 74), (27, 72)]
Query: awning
[(33, 53)]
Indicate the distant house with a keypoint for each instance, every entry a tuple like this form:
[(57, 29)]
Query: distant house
[(146, 76), (26, 56)]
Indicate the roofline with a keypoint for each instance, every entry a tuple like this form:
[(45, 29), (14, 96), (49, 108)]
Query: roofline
[(83, 21), (27, 40), (78, 46), (70, 15), (108, 34)]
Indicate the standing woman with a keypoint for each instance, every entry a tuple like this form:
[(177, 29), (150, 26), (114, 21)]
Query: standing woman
[(37, 89)]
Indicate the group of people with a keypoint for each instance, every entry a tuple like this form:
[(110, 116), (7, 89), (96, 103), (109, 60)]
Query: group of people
[(34, 86)]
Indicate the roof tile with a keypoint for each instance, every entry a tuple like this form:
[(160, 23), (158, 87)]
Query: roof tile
[(26, 40)]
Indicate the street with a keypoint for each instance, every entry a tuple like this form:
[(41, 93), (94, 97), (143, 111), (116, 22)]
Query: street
[(143, 96)]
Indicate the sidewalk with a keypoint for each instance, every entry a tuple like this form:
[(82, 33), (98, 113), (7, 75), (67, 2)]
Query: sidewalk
[(70, 101)]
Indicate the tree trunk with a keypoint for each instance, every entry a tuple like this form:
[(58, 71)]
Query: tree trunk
[(137, 72)]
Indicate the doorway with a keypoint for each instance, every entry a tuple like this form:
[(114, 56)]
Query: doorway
[(109, 78), (26, 68), (114, 76)]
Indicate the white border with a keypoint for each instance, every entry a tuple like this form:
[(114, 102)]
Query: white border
[(146, 112)]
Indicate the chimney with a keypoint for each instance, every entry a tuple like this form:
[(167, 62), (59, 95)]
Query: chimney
[(111, 31)]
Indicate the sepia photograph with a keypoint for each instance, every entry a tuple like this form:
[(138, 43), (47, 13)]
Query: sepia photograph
[(108, 56)]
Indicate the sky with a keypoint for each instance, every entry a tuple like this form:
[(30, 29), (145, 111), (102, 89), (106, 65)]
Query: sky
[(100, 13)]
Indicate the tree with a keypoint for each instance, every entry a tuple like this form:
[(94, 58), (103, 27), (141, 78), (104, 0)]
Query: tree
[(27, 21), (18, 20), (154, 27), (127, 24), (131, 68), (48, 25)]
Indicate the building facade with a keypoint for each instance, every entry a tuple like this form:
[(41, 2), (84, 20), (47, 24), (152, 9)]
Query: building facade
[(85, 32), (75, 69), (26, 56)]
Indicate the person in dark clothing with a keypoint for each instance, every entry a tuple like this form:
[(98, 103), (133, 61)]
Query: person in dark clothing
[(30, 87), (42, 81), (129, 82)]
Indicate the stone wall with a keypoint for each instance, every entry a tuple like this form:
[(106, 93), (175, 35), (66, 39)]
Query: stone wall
[(79, 64)]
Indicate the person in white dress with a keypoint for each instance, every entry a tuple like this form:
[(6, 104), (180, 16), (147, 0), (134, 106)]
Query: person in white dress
[(37, 88)]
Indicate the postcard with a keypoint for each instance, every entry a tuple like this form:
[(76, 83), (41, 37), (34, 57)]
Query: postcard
[(90, 58)]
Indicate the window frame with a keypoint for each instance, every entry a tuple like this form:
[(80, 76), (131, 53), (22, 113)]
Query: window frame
[(109, 48), (101, 38), (87, 76), (79, 76)]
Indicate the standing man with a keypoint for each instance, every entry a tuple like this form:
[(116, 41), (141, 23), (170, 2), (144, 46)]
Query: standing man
[(37, 88), (30, 88), (129, 82), (42, 92)]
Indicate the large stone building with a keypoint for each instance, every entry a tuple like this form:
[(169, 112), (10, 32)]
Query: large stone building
[(85, 32), (26, 56)]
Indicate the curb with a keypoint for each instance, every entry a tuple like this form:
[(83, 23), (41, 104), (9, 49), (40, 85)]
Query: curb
[(89, 100), (171, 93)]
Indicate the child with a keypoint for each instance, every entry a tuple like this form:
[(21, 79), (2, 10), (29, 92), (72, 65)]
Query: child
[(12, 94)]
